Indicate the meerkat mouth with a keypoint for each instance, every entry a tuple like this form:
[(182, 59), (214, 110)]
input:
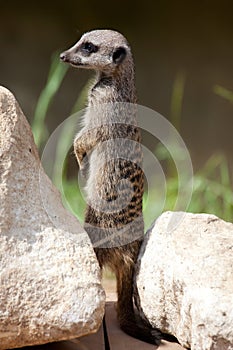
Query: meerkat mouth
[(76, 63), (79, 64)]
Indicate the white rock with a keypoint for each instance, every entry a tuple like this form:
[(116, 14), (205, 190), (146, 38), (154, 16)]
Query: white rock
[(50, 287), (184, 279)]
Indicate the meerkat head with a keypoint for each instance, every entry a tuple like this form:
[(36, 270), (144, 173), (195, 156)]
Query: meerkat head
[(101, 50)]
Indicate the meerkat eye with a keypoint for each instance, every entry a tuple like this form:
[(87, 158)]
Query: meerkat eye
[(89, 48), (119, 55)]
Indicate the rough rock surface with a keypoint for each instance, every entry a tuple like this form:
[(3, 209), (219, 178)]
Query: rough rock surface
[(50, 285), (184, 279)]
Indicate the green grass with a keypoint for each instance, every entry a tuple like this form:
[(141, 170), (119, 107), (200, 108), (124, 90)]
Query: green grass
[(73, 196), (223, 92), (212, 186), (55, 77)]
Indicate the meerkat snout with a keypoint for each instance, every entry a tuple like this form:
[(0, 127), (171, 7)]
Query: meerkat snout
[(63, 56), (71, 57)]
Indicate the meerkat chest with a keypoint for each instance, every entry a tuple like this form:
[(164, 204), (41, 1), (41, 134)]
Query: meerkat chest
[(114, 140)]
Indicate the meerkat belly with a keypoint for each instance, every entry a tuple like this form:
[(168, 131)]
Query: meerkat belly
[(114, 190)]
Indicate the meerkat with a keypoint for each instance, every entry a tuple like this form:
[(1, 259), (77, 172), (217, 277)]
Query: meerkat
[(108, 151)]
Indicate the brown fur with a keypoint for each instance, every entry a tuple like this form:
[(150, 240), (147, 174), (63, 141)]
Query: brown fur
[(121, 229)]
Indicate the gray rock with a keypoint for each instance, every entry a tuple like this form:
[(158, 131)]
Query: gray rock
[(50, 283), (184, 279)]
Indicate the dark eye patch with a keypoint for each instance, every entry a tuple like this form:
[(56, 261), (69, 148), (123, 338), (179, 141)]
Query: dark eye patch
[(89, 48)]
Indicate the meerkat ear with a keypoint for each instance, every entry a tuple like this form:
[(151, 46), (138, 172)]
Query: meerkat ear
[(119, 55)]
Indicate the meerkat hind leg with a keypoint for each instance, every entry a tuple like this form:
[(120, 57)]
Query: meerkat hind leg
[(129, 323)]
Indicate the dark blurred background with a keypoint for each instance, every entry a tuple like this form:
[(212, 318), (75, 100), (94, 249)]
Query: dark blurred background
[(170, 39)]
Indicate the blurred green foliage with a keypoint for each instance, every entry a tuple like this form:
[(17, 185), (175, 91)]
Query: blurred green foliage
[(55, 77), (212, 184), (223, 92)]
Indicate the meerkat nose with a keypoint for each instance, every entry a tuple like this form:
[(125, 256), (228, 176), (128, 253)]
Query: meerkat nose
[(63, 56)]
